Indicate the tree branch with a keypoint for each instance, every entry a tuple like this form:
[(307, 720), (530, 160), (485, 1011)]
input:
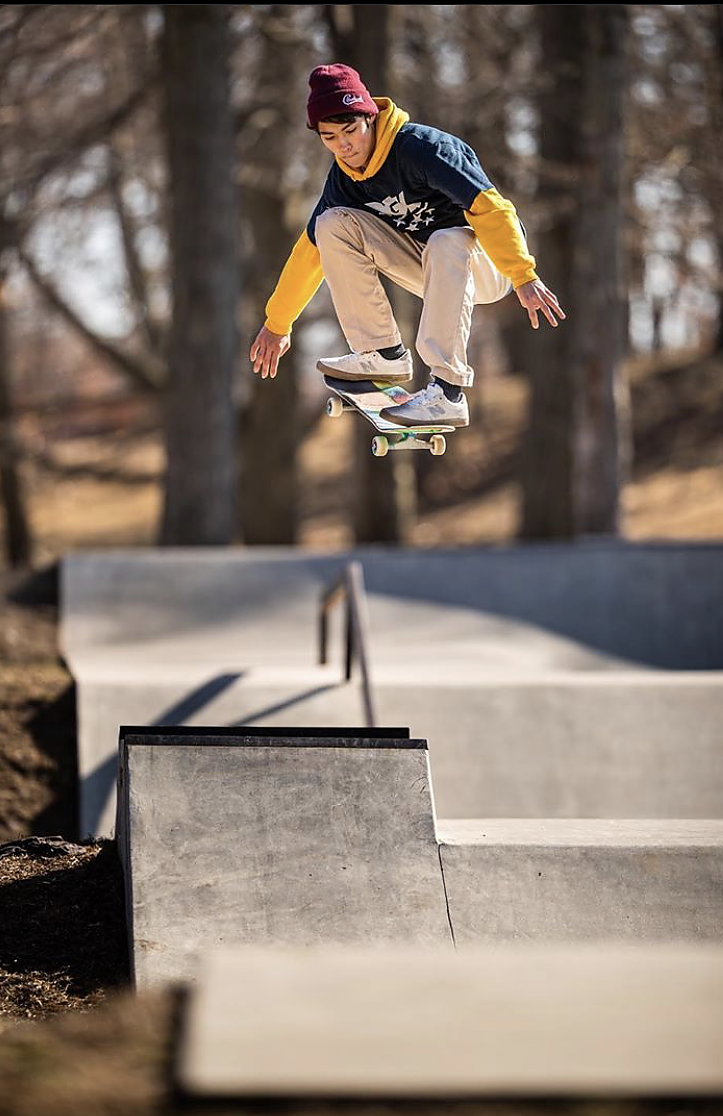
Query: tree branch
[(134, 267), (94, 132), (148, 374)]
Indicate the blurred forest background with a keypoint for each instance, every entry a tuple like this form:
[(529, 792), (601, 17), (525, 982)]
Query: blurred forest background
[(155, 171)]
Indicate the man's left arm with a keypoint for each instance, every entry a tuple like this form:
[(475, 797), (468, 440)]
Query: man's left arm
[(498, 229), (453, 168)]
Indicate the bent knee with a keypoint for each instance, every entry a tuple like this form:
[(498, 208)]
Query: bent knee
[(330, 219), (457, 241)]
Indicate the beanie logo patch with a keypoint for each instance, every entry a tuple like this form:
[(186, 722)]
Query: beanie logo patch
[(351, 99)]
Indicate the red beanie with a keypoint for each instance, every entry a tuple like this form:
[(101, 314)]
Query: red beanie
[(335, 90)]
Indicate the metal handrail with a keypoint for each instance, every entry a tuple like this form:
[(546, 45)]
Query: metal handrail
[(349, 587)]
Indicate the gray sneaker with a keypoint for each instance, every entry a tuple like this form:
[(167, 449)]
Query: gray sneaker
[(368, 366), (429, 407)]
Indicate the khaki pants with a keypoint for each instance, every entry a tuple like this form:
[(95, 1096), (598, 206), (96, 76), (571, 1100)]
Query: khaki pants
[(451, 273)]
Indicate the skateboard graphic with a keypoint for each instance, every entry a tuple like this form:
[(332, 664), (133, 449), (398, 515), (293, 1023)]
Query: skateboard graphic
[(369, 397)]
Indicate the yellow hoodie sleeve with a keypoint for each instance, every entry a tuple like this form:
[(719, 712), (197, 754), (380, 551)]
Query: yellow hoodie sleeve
[(497, 227), (299, 281)]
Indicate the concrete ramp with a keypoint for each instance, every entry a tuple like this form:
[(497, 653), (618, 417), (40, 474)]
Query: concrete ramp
[(516, 1021), (261, 839), (591, 670), (527, 880)]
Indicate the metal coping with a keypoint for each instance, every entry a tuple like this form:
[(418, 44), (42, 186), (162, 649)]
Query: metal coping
[(282, 737)]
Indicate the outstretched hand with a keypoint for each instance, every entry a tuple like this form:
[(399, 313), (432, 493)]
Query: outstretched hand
[(535, 297), (267, 350)]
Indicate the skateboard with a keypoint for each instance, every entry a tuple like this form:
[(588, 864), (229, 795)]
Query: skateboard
[(369, 397)]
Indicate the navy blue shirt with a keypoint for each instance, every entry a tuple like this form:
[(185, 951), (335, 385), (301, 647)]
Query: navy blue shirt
[(426, 182)]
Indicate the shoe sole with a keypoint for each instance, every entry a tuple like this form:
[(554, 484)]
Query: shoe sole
[(384, 413), (338, 374)]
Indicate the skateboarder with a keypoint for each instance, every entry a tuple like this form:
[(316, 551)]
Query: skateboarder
[(414, 204)]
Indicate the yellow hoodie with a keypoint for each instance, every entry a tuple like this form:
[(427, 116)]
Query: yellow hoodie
[(492, 217)]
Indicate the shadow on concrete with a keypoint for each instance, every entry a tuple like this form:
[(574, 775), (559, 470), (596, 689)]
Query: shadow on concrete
[(98, 787), (271, 710)]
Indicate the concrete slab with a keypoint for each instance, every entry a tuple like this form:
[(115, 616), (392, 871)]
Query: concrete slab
[(229, 636), (251, 841), (577, 881), (608, 745), (413, 1023), (605, 745), (536, 606)]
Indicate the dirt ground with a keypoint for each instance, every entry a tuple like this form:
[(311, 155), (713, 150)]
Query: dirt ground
[(72, 1037)]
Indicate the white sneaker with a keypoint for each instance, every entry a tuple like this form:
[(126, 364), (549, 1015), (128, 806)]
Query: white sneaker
[(368, 366), (429, 407)]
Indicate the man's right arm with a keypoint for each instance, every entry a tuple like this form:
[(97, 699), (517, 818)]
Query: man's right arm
[(299, 281)]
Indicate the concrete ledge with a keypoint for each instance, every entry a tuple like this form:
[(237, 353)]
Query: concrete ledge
[(646, 604), (245, 841), (505, 659), (576, 881), (506, 1022), (608, 746), (635, 745), (193, 698)]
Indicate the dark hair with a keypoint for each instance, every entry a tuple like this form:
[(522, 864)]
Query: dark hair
[(341, 118)]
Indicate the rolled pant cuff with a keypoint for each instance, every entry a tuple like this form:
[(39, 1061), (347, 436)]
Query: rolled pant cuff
[(364, 345), (463, 380)]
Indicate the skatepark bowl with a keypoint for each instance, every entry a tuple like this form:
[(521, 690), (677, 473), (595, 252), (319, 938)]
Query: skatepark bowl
[(530, 833)]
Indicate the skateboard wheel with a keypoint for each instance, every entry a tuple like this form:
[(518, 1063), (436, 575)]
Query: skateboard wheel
[(437, 445), (380, 446), (334, 407)]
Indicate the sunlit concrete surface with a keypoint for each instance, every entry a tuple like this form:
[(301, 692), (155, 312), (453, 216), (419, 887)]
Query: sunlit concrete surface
[(533, 606), (571, 745), (604, 746), (507, 1022), (254, 842), (557, 680), (320, 841), (526, 880)]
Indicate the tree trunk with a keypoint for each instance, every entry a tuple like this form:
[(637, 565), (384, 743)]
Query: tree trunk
[(575, 450), (718, 340), (601, 419), (201, 483), (18, 547), (386, 487), (270, 421), (547, 463)]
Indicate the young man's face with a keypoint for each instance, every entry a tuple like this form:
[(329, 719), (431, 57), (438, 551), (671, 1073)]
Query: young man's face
[(352, 142)]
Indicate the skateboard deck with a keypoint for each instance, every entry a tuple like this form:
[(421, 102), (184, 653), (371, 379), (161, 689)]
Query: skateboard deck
[(369, 397)]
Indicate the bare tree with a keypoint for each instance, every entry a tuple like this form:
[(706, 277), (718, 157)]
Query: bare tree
[(201, 483), (271, 162), (675, 169), (361, 36), (717, 121), (47, 125), (18, 543), (576, 449)]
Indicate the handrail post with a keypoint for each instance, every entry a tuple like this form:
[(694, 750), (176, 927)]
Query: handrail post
[(350, 585), (361, 631), (349, 636)]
